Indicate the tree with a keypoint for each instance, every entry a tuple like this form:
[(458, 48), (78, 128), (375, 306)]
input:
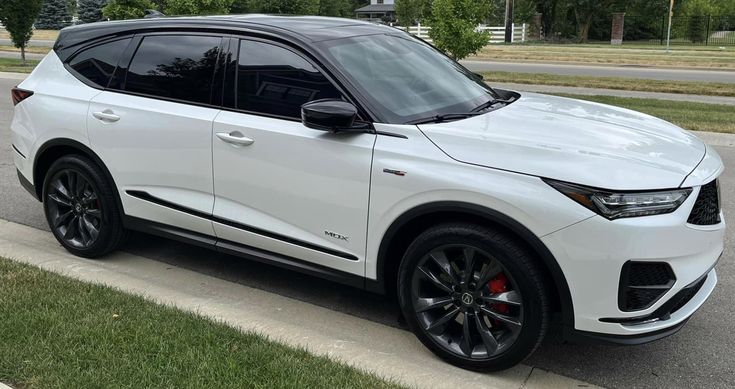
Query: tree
[(54, 15), (454, 26), (90, 11), (197, 7), (18, 16), (289, 7), (126, 9), (410, 12), (341, 8), (585, 11)]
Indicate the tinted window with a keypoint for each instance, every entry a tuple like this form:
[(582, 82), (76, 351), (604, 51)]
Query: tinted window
[(178, 67), (97, 63), (277, 81)]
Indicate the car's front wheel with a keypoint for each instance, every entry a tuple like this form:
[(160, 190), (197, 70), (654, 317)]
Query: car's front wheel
[(81, 207), (474, 296)]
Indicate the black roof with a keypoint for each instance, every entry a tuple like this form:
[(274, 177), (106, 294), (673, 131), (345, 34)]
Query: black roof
[(304, 28)]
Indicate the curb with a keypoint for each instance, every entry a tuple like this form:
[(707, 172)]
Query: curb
[(386, 351), (3, 386)]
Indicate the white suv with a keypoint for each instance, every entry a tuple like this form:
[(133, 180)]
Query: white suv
[(356, 153)]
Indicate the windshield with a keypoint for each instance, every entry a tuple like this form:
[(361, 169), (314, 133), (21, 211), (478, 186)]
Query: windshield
[(406, 79)]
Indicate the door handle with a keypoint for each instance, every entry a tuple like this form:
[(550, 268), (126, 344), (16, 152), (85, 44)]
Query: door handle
[(235, 138), (106, 116)]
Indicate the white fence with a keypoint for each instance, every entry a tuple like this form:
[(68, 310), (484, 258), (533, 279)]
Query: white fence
[(497, 34)]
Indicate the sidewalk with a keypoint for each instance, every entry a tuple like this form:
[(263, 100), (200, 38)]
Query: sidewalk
[(614, 92), (373, 347)]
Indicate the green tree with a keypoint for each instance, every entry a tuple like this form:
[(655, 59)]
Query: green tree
[(54, 15), (341, 8), (288, 7), (197, 7), (410, 12), (454, 26), (126, 9), (585, 11), (18, 16), (90, 11)]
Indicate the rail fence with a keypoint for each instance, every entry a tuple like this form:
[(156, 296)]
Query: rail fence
[(497, 34)]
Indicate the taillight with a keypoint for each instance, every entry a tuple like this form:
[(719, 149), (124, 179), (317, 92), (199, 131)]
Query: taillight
[(19, 95)]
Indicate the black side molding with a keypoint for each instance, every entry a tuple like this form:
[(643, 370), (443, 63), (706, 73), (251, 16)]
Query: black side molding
[(155, 200), (243, 251)]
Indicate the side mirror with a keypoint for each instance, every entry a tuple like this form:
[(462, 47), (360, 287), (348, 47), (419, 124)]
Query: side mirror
[(329, 115)]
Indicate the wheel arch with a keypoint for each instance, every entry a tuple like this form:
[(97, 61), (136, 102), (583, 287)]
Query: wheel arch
[(410, 224), (54, 149)]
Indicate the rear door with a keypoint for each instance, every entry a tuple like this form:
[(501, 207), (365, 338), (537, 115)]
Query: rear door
[(153, 126), (282, 187)]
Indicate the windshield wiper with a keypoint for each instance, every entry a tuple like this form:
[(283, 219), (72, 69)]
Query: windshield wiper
[(445, 118), (492, 102)]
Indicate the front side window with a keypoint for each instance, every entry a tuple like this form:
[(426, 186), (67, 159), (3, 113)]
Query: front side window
[(174, 66), (275, 81), (406, 79), (97, 63)]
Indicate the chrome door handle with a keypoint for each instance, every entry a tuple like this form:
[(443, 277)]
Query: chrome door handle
[(235, 138), (106, 116)]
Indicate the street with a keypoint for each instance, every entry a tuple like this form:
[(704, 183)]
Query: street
[(700, 355)]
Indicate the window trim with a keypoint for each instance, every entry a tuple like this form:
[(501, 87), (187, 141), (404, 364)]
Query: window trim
[(82, 78), (234, 50), (140, 38)]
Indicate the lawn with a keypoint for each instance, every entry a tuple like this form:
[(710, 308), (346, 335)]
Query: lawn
[(691, 57), (62, 333), (29, 49), (691, 116), (15, 65), (687, 87), (47, 35)]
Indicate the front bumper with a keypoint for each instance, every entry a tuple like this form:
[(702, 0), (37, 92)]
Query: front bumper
[(592, 253)]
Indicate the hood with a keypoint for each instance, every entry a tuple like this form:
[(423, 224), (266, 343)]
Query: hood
[(574, 141)]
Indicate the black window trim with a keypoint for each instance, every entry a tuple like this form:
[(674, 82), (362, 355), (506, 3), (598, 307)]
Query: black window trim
[(139, 41), (90, 46), (234, 50)]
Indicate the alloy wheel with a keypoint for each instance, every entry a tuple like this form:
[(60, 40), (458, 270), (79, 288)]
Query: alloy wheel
[(74, 208), (466, 301)]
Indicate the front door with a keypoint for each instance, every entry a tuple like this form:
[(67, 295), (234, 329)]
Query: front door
[(281, 187)]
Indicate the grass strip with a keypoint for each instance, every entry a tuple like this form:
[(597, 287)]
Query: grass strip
[(57, 332), (618, 83), (29, 49), (690, 116), (16, 66)]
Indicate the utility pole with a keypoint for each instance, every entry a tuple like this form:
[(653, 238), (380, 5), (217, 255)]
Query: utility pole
[(668, 35), (509, 21)]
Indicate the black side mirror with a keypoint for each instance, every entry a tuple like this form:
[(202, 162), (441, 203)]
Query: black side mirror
[(329, 115)]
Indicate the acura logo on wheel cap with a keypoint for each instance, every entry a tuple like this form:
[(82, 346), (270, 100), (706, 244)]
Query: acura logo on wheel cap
[(467, 299)]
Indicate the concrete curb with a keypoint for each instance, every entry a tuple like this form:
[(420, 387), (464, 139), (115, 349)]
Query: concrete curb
[(3, 386), (369, 346)]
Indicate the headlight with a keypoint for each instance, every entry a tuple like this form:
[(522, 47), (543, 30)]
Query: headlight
[(616, 205)]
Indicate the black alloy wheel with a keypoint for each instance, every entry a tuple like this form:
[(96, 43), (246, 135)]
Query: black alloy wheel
[(74, 208), (474, 296), (81, 207)]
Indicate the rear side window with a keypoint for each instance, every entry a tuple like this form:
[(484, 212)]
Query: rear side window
[(96, 64), (276, 81), (174, 66)]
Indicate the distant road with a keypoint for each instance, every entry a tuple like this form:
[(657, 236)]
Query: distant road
[(650, 73)]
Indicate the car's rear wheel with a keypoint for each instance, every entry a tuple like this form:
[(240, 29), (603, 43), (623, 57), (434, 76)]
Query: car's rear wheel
[(81, 207), (474, 296)]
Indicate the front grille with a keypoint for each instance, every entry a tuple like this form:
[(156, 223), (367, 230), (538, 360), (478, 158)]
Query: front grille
[(642, 284), (706, 209)]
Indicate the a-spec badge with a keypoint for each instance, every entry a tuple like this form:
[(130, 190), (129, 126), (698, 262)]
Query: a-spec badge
[(336, 236)]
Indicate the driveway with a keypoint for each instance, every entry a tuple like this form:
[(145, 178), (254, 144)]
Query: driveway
[(700, 355)]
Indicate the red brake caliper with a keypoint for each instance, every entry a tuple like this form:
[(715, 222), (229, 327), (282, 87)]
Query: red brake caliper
[(499, 284)]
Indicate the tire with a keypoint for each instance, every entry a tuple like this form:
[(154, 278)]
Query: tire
[(81, 207), (452, 311)]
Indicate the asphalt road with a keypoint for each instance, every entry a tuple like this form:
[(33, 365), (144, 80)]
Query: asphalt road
[(700, 355), (604, 71)]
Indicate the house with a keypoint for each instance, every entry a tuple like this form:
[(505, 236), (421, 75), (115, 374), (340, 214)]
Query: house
[(377, 10)]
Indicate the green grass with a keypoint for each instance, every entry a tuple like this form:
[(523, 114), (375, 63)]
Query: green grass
[(29, 49), (56, 332), (632, 84), (690, 116), (16, 66)]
